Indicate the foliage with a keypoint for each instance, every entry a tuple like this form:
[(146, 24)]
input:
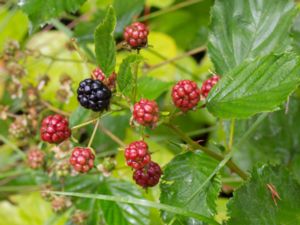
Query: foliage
[(242, 140)]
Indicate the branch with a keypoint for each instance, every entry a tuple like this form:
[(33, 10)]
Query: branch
[(195, 146)]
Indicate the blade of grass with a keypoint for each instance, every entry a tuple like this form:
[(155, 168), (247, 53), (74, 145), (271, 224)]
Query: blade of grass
[(141, 202)]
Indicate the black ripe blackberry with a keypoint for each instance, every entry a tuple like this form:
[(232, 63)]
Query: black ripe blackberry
[(94, 95)]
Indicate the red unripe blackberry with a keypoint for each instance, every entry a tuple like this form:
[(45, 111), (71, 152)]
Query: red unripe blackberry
[(185, 95), (136, 35), (82, 159), (148, 176), (55, 129), (137, 154), (146, 112), (98, 74), (35, 158), (208, 85)]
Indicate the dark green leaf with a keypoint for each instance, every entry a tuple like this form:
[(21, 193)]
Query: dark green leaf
[(80, 115), (40, 12), (181, 182), (120, 213), (245, 29), (252, 204), (258, 86), (125, 78), (105, 46), (126, 11), (151, 88), (84, 31), (117, 124), (275, 139)]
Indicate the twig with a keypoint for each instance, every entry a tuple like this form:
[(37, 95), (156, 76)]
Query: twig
[(52, 108), (189, 53)]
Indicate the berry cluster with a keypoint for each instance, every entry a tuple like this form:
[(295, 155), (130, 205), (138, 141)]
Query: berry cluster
[(35, 158), (148, 176), (137, 154), (55, 129), (208, 85), (82, 159), (136, 35), (146, 112), (94, 95), (146, 172), (185, 95)]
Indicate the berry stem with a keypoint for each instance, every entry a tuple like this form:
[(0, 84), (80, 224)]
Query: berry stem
[(84, 124), (94, 133), (135, 77), (195, 146), (230, 142)]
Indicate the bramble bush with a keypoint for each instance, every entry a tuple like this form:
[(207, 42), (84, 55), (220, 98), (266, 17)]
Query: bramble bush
[(135, 112)]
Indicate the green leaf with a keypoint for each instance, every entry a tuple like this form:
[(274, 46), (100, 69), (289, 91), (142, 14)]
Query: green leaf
[(296, 35), (39, 12), (126, 11), (258, 86), (120, 213), (84, 31), (180, 186), (275, 139), (105, 46), (252, 204), (245, 29), (80, 115), (125, 78), (151, 88)]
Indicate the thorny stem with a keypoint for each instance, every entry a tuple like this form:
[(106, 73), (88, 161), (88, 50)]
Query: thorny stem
[(194, 145), (167, 10), (93, 134)]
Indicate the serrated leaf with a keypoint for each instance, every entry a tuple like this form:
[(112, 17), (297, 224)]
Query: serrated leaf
[(105, 46), (258, 86), (151, 88), (253, 204), (40, 12), (180, 186), (125, 78), (121, 213), (245, 29)]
